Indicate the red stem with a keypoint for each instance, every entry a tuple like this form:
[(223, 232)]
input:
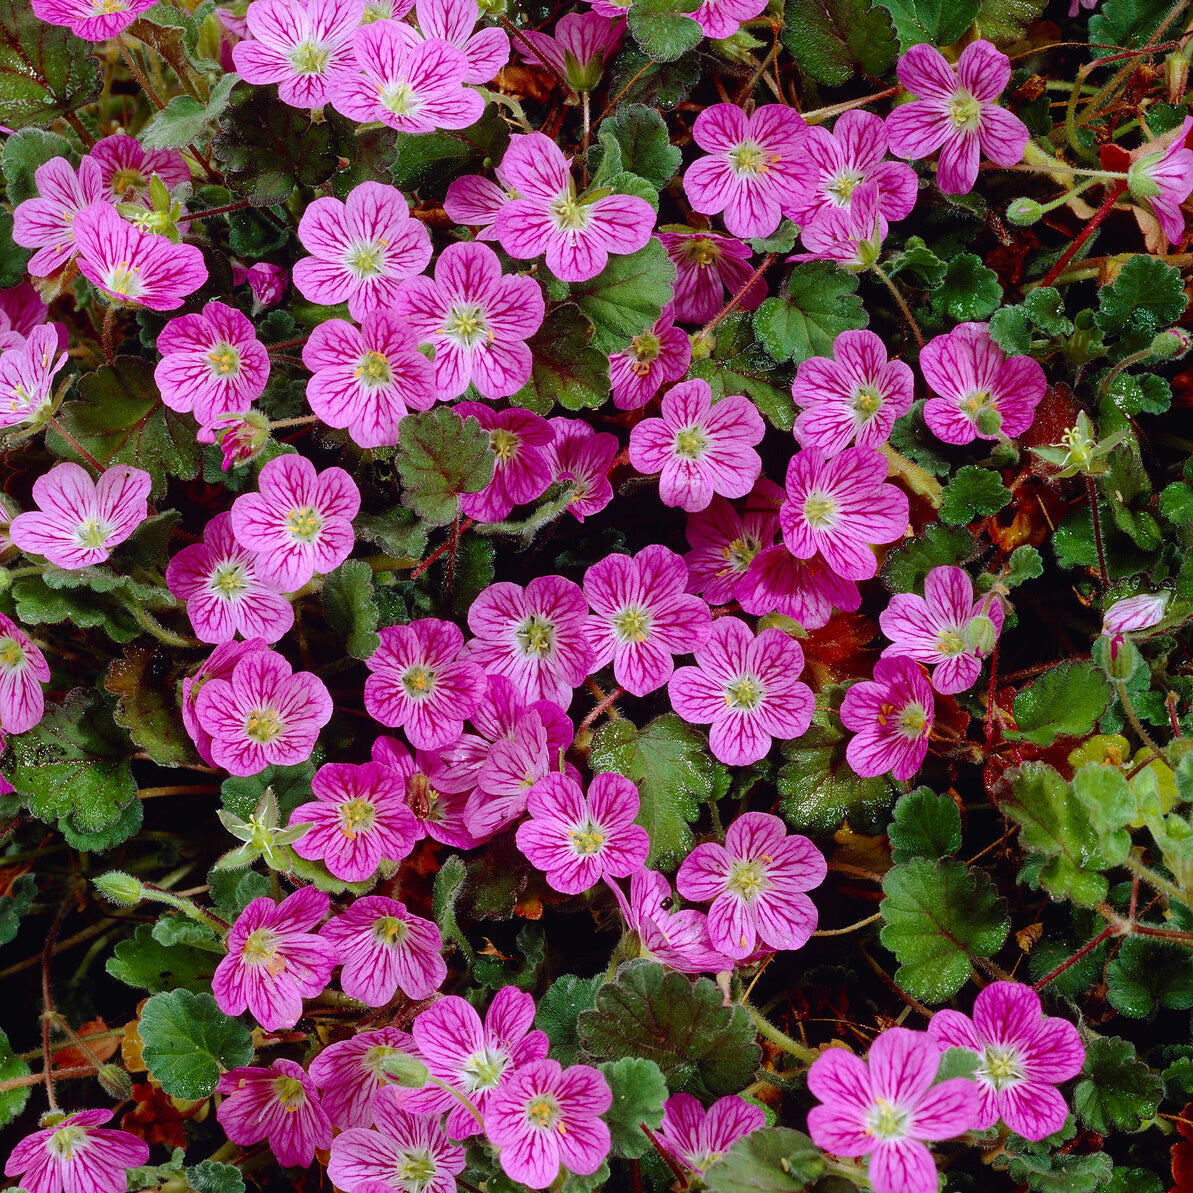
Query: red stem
[(430, 559), (1111, 199)]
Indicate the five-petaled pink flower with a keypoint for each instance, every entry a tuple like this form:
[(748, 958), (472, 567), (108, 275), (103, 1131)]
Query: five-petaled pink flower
[(653, 358), (278, 1105), (891, 718), (698, 1138), (487, 50), (351, 1073), (1163, 180), (724, 541), (582, 457), (220, 664), (807, 590), (583, 42), (27, 372), (519, 441), (23, 669), (46, 222), (75, 1153), (127, 167), (708, 267), (91, 20)]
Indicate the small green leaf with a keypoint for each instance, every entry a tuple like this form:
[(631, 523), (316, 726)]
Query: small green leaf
[(45, 71), (1045, 307), (1126, 24), (430, 161), (184, 121), (188, 1041), (566, 367), (972, 494), (1025, 564), (12, 1101), (14, 903), (147, 705), (662, 29), (440, 456), (350, 604), (1118, 1092), (627, 296), (1147, 293), (937, 22), (1147, 974), (909, 562), (1111, 807), (213, 1176), (831, 38), (739, 365), (639, 1091), (1066, 701), (917, 265), (450, 884), (641, 135), (771, 1160), (1010, 329), (925, 825), (147, 963), (821, 303), (969, 291), (24, 152), (1062, 1173), (559, 1010), (240, 794)]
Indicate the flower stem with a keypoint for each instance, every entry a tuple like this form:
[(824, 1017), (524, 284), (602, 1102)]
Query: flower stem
[(1087, 229), (430, 559), (518, 35), (74, 443), (586, 724), (1106, 933), (818, 114), (467, 1102), (1096, 517), (731, 305), (148, 622), (1137, 724), (792, 1047), (108, 328), (902, 303), (301, 421), (137, 74)]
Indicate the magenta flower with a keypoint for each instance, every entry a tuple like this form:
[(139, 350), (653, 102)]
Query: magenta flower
[(361, 249), (807, 590), (545, 1116), (643, 616), (304, 46), (299, 523), (1023, 1055), (886, 1109), (224, 594), (263, 714), (23, 669), (756, 883), (853, 396), (241, 437), (511, 768), (652, 359), (1135, 613), (279, 1106), (753, 168), (220, 664), (367, 379), (91, 20), (724, 541), (351, 1073), (476, 318), (1163, 180), (841, 507), (981, 391), (135, 267), (46, 223), (212, 363), (405, 1152), (127, 166), (891, 718), (582, 44), (411, 85), (576, 840), (435, 793), (385, 949), (81, 520), (576, 234), (475, 201), (697, 1137), (274, 960), (851, 236), (699, 449), (746, 688), (27, 372), (358, 817), (937, 629), (472, 1056), (487, 50), (723, 18), (955, 111), (268, 283), (519, 441), (22, 310), (582, 458), (710, 267), (534, 636), (76, 1153)]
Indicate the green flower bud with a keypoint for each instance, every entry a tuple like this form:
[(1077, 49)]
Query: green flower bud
[(1170, 344), (989, 421), (115, 1082), (1139, 180), (1005, 454), (702, 346), (118, 887), (1024, 212), (980, 635), (737, 48), (406, 1070), (1117, 656)]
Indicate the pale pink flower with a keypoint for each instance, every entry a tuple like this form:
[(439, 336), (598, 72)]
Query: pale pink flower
[(724, 541), (433, 789), (475, 201), (126, 165), (267, 282), (487, 50), (519, 441), (583, 42), (351, 1073), (279, 1106), (220, 664), (582, 457), (710, 267), (46, 223), (851, 236), (891, 718), (76, 1153), (652, 358), (1140, 612), (1164, 179), (698, 1138), (91, 20), (23, 669), (27, 372), (723, 18)]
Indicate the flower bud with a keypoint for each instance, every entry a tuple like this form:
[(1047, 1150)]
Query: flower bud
[(115, 1082), (1117, 657), (1024, 212), (118, 887), (1139, 180), (737, 48), (702, 346), (51, 1118), (989, 421), (406, 1070), (980, 635), (1170, 344)]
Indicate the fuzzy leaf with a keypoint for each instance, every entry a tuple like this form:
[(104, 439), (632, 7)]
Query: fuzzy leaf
[(1005, 21), (917, 265), (925, 825), (831, 38), (1061, 1173), (147, 707), (772, 1160), (627, 296), (644, 143), (969, 291), (14, 903), (147, 963), (909, 562), (1010, 329), (1045, 307), (439, 457), (240, 794), (1066, 701), (45, 71), (937, 22), (1146, 293), (1126, 24), (1118, 1092), (213, 1176), (739, 365), (188, 1041), (567, 369), (639, 1092), (662, 29), (1026, 564), (821, 303), (431, 161), (24, 152), (12, 1101), (184, 120), (351, 607), (39, 604), (1147, 974), (972, 494), (559, 1010)]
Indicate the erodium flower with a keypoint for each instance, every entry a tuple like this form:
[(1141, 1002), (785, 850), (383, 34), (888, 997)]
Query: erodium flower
[(642, 616), (724, 540), (361, 249), (509, 772), (476, 318), (212, 363), (1023, 1055), (23, 669), (519, 441), (807, 590), (955, 111), (220, 664), (652, 359), (709, 268), (746, 688), (274, 959), (697, 1137), (267, 282), (279, 1106), (757, 883), (699, 448), (475, 201), (753, 168), (582, 44), (46, 223), (1164, 179), (351, 1073), (891, 718), (91, 20), (126, 167), (886, 1109), (1135, 613), (299, 523), (582, 457), (723, 18), (27, 372), (487, 50), (433, 788), (79, 521), (358, 817), (22, 310), (851, 236), (241, 437), (76, 1153), (385, 949)]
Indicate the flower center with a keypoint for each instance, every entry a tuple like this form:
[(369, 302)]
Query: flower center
[(418, 681), (569, 216), (738, 554), (644, 351), (912, 721), (367, 260), (466, 324), (261, 949), (749, 159), (691, 443), (400, 99), (886, 1122), (224, 360), (1000, 1067), (976, 401), (632, 624), (819, 510), (128, 179), (304, 524), (543, 1112), (504, 443), (842, 186), (950, 642), (587, 839), (289, 1093), (92, 533), (373, 370), (701, 252), (747, 880), (536, 636), (965, 111), (867, 402), (12, 654), (64, 1142), (125, 280), (483, 1070), (228, 580), (309, 58), (263, 725), (390, 930), (356, 816), (416, 1170), (744, 693)]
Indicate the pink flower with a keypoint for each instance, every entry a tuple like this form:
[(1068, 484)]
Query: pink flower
[(935, 629), (642, 616), (853, 396), (1023, 1055), (135, 267), (851, 236), (76, 1153), (577, 839), (709, 268), (956, 113), (299, 523), (126, 165), (511, 768), (274, 960), (891, 718), (27, 372), (652, 359), (756, 882), (268, 283), (519, 442), (279, 1105), (220, 664), (724, 541), (1135, 613), (303, 47), (1164, 180), (475, 200), (351, 1073), (981, 391), (411, 85), (723, 18), (698, 1138), (263, 714), (81, 520), (91, 20), (358, 817), (534, 636), (746, 688), (367, 379), (433, 790), (212, 363), (753, 168), (582, 457), (487, 50), (22, 310), (242, 437), (472, 1057), (841, 508), (476, 318), (887, 1108), (576, 234), (582, 44), (385, 949), (23, 669), (361, 249), (807, 590), (700, 449), (545, 1116), (405, 1152), (46, 223)]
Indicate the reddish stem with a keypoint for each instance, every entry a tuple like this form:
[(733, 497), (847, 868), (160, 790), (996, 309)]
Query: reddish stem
[(1111, 199), (1106, 933), (430, 559)]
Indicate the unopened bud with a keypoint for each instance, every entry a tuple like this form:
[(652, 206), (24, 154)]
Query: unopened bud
[(702, 346), (406, 1070), (988, 422), (1024, 212), (737, 48), (118, 887), (1117, 656), (115, 1082), (51, 1118), (980, 635), (1170, 344)]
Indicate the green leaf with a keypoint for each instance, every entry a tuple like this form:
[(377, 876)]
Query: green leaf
[(641, 80), (670, 764), (701, 1045), (917, 265), (351, 607), (440, 456), (1135, 1180), (641, 135), (908, 564), (821, 303), (39, 604), (1005, 21), (430, 161), (781, 240), (450, 883), (559, 1010), (739, 365), (24, 152), (969, 291), (1065, 701), (639, 1092), (772, 1160), (627, 296), (147, 705), (566, 367), (188, 1041), (1025, 564), (184, 121), (147, 963), (233, 890), (925, 825), (1118, 1092), (1146, 293), (831, 38), (240, 794), (937, 22), (662, 29), (1010, 329), (213, 1176), (1061, 1173), (1045, 307), (12, 1101), (14, 903), (13, 258), (1111, 807), (938, 915), (395, 530), (1126, 24), (1147, 974), (972, 494)]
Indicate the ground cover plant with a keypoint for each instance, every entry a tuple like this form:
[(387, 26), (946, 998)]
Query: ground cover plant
[(596, 596)]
